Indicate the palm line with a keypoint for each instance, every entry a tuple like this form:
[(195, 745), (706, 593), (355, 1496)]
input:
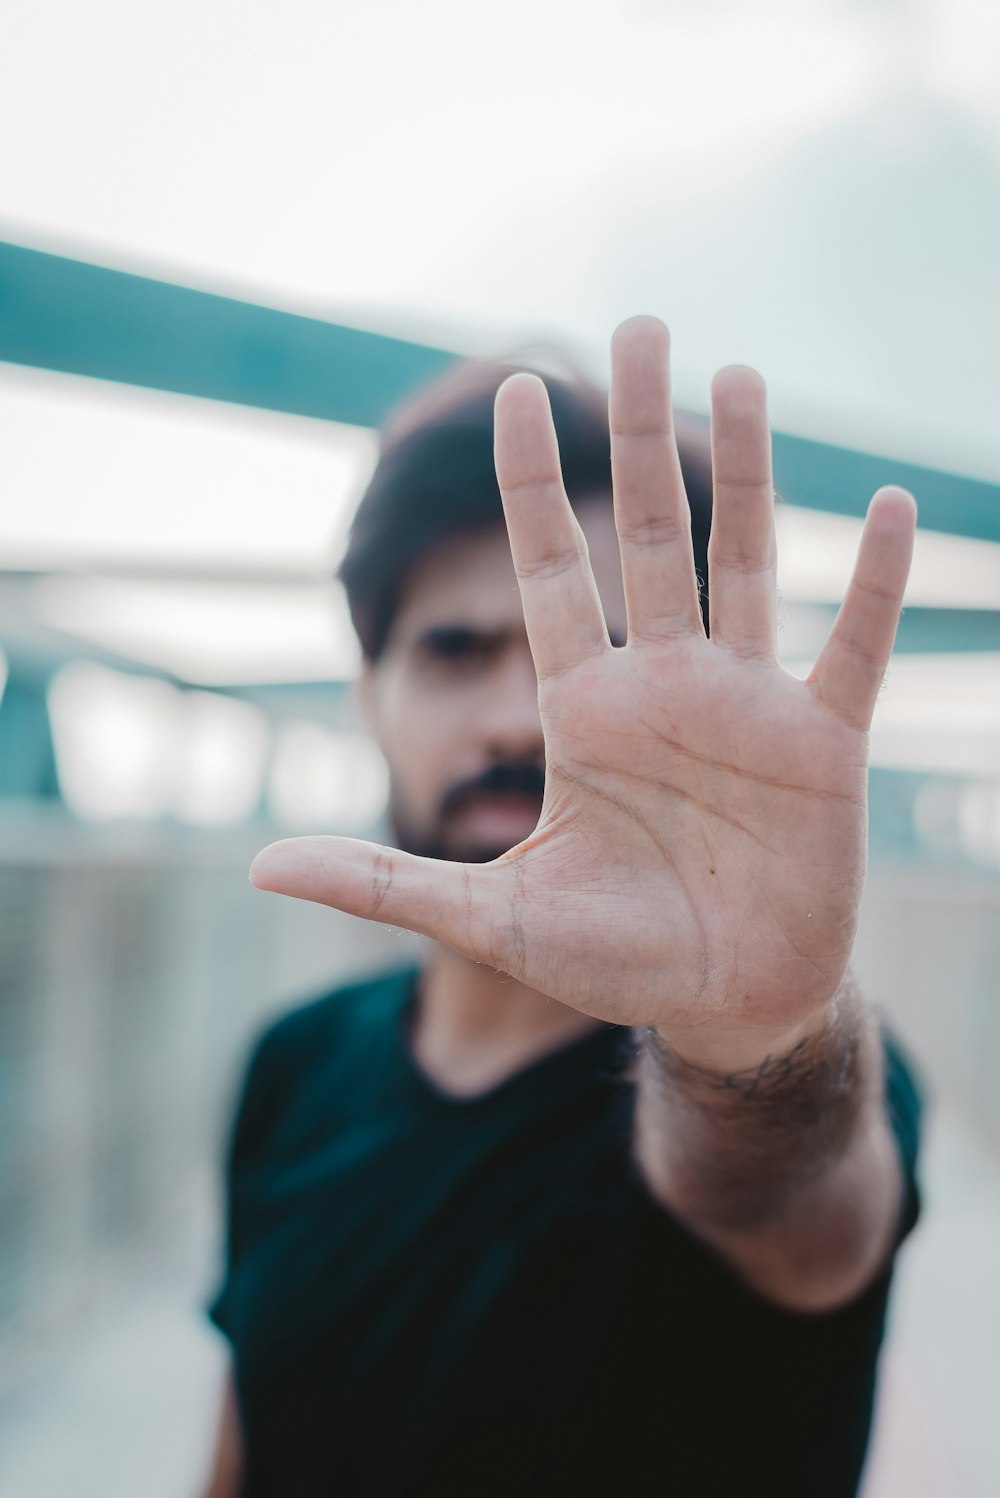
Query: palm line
[(726, 767)]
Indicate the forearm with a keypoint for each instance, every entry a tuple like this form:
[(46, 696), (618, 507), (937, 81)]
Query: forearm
[(786, 1167)]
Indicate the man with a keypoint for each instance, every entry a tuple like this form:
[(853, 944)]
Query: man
[(604, 1199)]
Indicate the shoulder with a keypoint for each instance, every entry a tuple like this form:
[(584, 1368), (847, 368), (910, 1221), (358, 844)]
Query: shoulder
[(289, 1047), (309, 1029), (904, 1096), (314, 1021)]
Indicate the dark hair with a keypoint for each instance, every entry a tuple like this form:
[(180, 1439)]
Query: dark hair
[(435, 479)]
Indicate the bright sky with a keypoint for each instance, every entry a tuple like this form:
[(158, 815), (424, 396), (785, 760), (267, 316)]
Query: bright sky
[(812, 188)]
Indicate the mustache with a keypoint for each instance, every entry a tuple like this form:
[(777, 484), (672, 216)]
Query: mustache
[(526, 779)]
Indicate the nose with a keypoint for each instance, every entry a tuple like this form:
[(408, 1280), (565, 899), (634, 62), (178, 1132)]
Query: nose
[(512, 728)]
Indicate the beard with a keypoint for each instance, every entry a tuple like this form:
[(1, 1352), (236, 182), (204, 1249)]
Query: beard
[(521, 782)]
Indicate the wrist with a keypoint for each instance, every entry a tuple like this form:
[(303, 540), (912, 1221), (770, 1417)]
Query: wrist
[(734, 1050)]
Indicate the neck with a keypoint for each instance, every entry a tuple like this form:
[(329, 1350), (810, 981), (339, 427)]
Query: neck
[(475, 1026)]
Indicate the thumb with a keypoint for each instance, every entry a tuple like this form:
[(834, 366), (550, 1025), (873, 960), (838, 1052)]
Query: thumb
[(447, 901)]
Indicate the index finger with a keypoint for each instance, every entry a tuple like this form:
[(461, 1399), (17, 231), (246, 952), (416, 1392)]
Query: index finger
[(562, 608)]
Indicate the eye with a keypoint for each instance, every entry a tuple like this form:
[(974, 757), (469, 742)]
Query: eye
[(452, 644), (456, 646)]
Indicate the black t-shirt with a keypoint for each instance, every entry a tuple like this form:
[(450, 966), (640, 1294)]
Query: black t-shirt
[(428, 1295)]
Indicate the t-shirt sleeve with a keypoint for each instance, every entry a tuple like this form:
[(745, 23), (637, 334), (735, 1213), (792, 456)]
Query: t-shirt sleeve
[(904, 1109), (255, 1108)]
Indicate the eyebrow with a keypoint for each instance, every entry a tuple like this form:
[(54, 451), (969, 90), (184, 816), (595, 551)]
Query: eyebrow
[(436, 635)]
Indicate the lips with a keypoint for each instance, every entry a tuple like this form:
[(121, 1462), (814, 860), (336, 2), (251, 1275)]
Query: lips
[(520, 782), (502, 800), (503, 809)]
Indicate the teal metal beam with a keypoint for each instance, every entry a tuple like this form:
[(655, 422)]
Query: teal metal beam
[(956, 630), (58, 313), (838, 479), (63, 314), (27, 756), (921, 630)]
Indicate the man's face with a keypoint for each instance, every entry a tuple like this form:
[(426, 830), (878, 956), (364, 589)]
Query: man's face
[(453, 699)]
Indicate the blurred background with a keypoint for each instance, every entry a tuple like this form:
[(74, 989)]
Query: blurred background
[(232, 236)]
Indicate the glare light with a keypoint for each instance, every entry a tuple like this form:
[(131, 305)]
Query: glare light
[(939, 714), (116, 740), (979, 821), (113, 472), (129, 746), (935, 750), (324, 780), (816, 553), (956, 817), (219, 772), (209, 634)]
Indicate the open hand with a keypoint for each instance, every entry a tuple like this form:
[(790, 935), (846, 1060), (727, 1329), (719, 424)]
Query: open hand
[(699, 860)]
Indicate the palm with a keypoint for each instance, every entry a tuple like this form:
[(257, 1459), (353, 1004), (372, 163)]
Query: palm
[(700, 851), (703, 830)]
